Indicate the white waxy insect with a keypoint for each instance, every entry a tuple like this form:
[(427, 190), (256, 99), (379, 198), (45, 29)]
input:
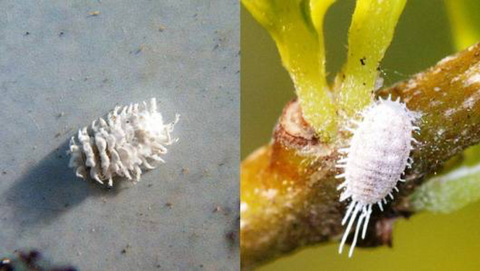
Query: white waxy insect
[(131, 138), (378, 154)]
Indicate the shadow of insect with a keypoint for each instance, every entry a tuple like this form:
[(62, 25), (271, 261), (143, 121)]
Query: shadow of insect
[(49, 189)]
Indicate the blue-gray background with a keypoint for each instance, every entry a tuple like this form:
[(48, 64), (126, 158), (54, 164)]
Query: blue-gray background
[(65, 63)]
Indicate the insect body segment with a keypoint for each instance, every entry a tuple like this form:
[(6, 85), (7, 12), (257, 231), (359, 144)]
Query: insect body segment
[(378, 154)]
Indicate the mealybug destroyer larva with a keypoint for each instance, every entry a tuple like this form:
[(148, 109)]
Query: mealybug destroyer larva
[(131, 138)]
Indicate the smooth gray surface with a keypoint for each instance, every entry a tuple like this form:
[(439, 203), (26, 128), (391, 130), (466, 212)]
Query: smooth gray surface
[(56, 58)]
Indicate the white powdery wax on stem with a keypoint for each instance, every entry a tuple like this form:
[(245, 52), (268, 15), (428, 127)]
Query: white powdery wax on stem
[(131, 138), (377, 157)]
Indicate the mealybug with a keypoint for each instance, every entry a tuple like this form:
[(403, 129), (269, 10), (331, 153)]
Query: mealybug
[(127, 141), (378, 154)]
